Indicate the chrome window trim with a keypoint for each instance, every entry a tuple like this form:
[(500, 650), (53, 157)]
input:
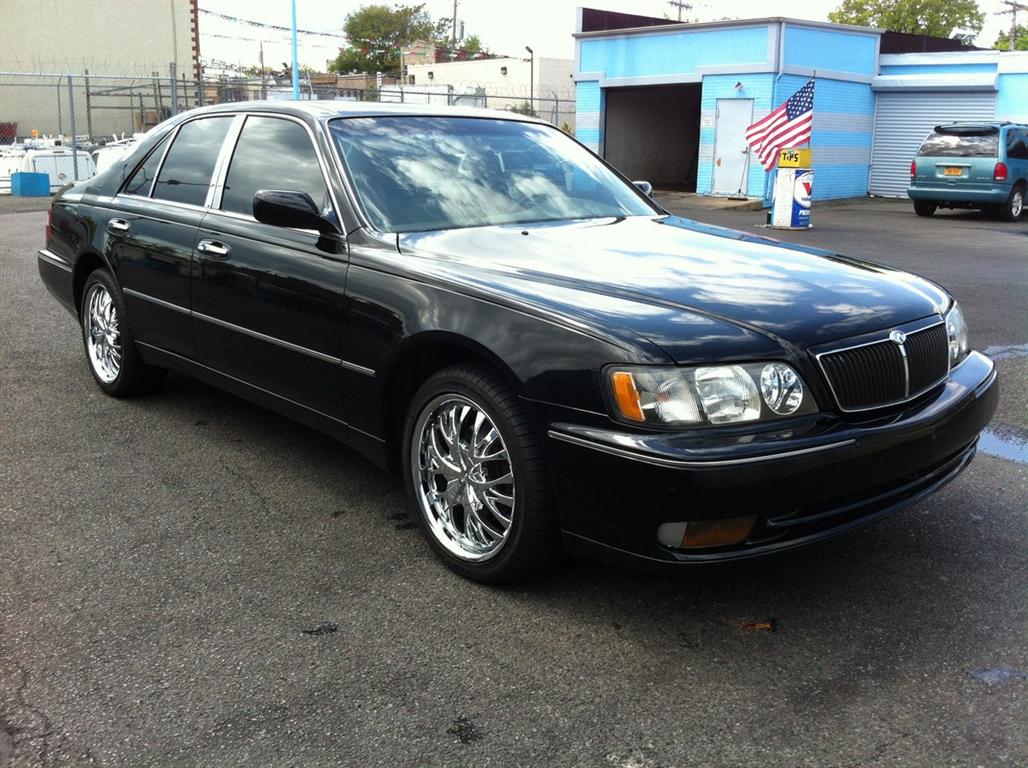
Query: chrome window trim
[(52, 258), (214, 190), (661, 461), (903, 352), (252, 333), (222, 176)]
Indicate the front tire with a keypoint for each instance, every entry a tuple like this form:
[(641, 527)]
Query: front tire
[(110, 348), (476, 476), (924, 207), (1012, 209)]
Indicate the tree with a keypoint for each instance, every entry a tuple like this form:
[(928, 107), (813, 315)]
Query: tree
[(920, 17), (377, 34), (472, 45), (1020, 39)]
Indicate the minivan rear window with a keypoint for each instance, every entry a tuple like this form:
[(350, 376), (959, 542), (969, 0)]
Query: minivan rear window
[(980, 143)]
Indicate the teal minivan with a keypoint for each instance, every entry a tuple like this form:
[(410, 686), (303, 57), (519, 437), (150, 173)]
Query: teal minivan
[(971, 165)]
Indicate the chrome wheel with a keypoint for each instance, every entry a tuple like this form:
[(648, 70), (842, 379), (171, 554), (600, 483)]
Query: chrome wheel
[(463, 477), (1016, 203), (103, 339)]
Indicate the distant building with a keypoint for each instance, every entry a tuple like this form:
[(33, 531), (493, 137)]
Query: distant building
[(545, 85), (670, 102)]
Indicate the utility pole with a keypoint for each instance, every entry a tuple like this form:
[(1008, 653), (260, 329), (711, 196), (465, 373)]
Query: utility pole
[(531, 78), (296, 66), (453, 43), (680, 5), (1014, 8)]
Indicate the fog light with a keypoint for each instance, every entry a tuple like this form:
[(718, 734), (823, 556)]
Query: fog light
[(706, 533)]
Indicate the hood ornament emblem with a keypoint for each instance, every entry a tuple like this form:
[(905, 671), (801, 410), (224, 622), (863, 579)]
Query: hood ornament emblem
[(898, 337)]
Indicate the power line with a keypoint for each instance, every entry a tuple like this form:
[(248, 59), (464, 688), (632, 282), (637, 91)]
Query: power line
[(262, 25)]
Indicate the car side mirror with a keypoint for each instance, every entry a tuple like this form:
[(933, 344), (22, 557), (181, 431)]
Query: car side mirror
[(645, 187), (295, 210)]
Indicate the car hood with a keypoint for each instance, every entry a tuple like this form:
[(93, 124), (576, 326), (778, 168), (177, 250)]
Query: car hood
[(672, 280)]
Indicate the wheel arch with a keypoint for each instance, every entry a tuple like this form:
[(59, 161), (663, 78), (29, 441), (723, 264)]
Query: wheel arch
[(87, 262), (420, 357)]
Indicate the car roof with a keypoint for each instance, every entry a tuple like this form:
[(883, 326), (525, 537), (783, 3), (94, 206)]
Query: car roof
[(323, 110), (973, 125)]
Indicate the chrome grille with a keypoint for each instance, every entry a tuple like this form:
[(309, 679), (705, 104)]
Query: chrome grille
[(884, 373)]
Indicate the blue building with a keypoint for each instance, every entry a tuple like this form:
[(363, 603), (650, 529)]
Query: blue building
[(670, 102)]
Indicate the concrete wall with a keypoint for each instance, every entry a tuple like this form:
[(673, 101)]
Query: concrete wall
[(130, 37), (653, 133)]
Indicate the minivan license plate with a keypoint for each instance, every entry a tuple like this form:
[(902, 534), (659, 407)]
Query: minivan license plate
[(952, 171)]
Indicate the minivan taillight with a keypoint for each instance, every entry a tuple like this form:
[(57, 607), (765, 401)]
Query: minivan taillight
[(999, 173), (913, 169), (49, 224)]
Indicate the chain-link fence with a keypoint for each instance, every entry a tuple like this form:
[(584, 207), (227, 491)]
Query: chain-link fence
[(90, 110)]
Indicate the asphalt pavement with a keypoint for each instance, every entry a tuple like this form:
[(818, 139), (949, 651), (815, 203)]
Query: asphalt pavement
[(188, 579)]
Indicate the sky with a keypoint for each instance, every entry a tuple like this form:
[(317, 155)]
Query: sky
[(504, 27)]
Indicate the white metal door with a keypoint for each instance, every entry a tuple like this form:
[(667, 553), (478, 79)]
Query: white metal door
[(902, 120), (731, 152)]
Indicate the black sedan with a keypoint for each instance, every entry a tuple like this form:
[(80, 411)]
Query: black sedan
[(544, 354)]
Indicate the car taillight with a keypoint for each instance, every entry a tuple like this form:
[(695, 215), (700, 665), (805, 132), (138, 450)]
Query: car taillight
[(913, 168), (49, 223), (999, 173)]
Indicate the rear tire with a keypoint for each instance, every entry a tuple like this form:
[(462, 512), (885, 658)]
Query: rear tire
[(465, 432), (924, 207), (1012, 209), (110, 347)]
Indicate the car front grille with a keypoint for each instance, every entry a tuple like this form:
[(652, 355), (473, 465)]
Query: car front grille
[(882, 373)]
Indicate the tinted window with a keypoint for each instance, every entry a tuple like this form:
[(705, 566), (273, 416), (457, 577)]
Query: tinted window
[(273, 154), (423, 173), (142, 179), (965, 143), (186, 174), (1016, 144)]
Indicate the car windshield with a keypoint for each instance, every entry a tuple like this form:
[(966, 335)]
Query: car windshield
[(428, 173), (983, 142)]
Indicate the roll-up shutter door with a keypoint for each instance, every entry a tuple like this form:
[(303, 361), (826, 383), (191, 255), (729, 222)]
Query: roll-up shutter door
[(902, 120)]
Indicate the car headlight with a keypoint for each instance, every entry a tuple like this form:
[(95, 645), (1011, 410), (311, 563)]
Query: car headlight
[(709, 394), (956, 330)]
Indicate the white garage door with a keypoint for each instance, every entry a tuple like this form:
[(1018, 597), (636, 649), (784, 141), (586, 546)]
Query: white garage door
[(902, 120)]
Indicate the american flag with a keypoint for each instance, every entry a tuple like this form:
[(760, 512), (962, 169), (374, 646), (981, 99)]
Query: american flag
[(787, 126)]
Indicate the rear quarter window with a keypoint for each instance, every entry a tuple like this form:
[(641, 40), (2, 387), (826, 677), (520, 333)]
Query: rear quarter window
[(962, 144)]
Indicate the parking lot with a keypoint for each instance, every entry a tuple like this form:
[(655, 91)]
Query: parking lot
[(187, 579)]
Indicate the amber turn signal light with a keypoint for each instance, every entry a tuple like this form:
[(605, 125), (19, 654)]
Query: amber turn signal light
[(627, 396), (706, 533)]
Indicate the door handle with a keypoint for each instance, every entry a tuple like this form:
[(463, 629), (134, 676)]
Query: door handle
[(213, 248), (118, 225)]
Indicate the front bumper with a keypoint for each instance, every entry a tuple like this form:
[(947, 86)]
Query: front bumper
[(805, 483), (943, 192)]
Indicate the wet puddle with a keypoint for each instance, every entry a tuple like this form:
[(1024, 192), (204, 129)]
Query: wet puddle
[(1005, 442)]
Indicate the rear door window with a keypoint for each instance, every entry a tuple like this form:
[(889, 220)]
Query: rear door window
[(964, 143), (273, 153), (142, 179), (186, 173), (1017, 144)]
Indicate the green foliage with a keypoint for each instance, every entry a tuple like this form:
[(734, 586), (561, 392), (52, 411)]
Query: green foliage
[(377, 33), (524, 108), (921, 17), (473, 45), (1020, 39)]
